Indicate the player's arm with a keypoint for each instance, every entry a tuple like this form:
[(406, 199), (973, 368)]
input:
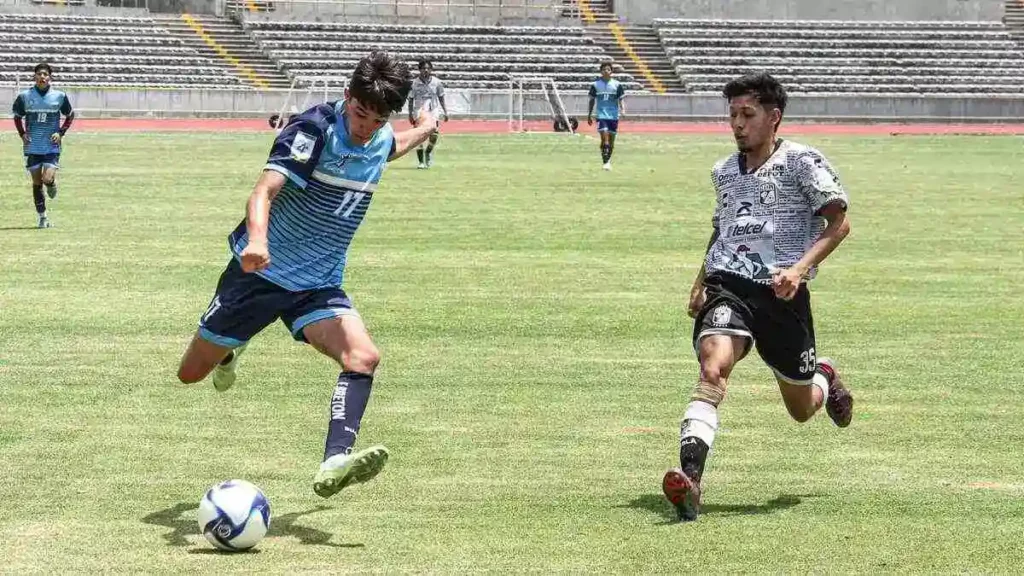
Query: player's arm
[(590, 105), (409, 139), (697, 290), (412, 113), (440, 99), (18, 111), (293, 157), (622, 100), (820, 184), (69, 117)]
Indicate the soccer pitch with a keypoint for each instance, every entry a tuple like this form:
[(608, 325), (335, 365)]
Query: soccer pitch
[(530, 309)]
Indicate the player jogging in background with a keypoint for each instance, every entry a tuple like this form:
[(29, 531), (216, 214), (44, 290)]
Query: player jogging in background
[(289, 254), (427, 94), (37, 112), (781, 211), (610, 97)]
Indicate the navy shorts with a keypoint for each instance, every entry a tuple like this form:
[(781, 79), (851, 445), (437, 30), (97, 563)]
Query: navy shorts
[(36, 161), (611, 126), (245, 304)]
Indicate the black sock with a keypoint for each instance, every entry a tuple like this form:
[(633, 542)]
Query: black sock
[(348, 403), (430, 150), (693, 452), (611, 150), (419, 154), (37, 195), (606, 153)]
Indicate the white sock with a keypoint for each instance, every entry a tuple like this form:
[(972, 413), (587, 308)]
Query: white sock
[(821, 382), (699, 421)]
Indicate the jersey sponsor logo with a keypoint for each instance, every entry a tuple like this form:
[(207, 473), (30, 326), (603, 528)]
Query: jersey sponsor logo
[(302, 147), (745, 209), (748, 229)]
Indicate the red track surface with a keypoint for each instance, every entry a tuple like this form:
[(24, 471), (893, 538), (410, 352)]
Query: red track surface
[(498, 126)]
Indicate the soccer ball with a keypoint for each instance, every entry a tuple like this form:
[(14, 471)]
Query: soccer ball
[(234, 515)]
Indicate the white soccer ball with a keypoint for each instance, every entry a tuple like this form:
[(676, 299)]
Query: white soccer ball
[(234, 515)]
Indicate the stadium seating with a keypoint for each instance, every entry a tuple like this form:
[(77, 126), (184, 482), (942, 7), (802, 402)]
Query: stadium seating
[(847, 57), (463, 56), (104, 51)]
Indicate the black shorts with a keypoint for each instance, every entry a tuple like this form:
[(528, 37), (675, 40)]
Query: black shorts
[(782, 331), (245, 304), (35, 162)]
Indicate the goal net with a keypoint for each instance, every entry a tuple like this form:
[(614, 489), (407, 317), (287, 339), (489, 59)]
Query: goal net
[(305, 92), (537, 97)]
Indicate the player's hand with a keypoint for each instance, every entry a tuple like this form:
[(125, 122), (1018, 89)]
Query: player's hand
[(55, 138), (697, 300), (255, 257), (590, 120), (444, 117), (785, 283), (26, 139), (412, 119)]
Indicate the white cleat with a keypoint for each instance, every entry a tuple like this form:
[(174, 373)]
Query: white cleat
[(44, 222), (342, 470), (607, 166), (421, 166), (224, 375)]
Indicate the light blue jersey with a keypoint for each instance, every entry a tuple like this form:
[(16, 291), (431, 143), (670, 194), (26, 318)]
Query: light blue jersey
[(42, 112), (607, 96), (329, 188)]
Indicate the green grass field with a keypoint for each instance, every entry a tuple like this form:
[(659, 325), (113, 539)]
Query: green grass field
[(531, 313)]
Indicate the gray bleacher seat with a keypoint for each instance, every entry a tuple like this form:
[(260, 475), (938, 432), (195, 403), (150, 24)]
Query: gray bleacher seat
[(847, 57)]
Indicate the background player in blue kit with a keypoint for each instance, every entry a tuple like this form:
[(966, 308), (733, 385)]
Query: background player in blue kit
[(289, 254), (610, 97), (37, 113)]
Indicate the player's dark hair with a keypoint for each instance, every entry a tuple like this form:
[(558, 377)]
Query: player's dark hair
[(762, 86), (424, 63), (607, 65), (382, 82), (43, 66)]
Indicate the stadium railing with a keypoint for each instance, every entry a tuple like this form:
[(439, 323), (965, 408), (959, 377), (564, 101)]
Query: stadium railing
[(396, 11)]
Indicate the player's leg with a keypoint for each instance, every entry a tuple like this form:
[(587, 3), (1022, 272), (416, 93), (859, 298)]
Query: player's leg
[(613, 131), (329, 323), (431, 142), (35, 169), (243, 305), (603, 131), (49, 176), (805, 383), (721, 338)]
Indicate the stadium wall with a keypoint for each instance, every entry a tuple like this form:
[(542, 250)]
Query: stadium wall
[(495, 105), (643, 11)]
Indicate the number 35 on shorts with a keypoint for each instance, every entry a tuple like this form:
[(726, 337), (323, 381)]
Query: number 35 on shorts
[(807, 361)]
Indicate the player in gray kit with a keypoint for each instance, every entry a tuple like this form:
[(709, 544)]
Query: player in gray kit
[(427, 94), (781, 211)]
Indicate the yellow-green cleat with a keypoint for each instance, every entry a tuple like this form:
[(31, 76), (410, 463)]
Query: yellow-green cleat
[(224, 374), (342, 470)]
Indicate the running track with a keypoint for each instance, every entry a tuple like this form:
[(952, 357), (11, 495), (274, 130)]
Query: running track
[(499, 127)]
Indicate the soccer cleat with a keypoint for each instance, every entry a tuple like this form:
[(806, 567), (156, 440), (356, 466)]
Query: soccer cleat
[(607, 166), (683, 493), (51, 190), (421, 166), (44, 222), (341, 470), (224, 375), (430, 160), (839, 404)]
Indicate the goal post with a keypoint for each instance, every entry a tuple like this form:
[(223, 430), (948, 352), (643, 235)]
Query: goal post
[(304, 92), (537, 96)]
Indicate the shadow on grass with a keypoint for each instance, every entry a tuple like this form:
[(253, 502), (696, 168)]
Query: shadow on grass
[(657, 504), (281, 525)]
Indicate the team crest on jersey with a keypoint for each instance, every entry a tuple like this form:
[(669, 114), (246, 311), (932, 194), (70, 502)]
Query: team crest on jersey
[(721, 316), (767, 194), (302, 147)]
